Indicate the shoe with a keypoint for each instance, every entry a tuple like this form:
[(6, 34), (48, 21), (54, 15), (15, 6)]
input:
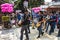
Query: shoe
[(58, 35), (29, 32), (33, 28), (42, 33), (26, 39), (49, 33), (38, 37)]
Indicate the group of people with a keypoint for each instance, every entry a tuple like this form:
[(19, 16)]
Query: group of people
[(45, 20), (23, 19)]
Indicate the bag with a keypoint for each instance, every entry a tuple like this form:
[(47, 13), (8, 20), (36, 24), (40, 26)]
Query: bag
[(44, 22), (38, 24), (33, 24)]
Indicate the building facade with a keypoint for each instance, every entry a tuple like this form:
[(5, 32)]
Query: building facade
[(56, 0)]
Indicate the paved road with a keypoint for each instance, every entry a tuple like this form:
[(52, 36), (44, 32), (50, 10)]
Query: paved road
[(14, 34)]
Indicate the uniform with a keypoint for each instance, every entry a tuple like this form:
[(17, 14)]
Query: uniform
[(47, 23), (45, 18), (28, 24), (24, 27), (40, 27), (52, 23), (58, 25)]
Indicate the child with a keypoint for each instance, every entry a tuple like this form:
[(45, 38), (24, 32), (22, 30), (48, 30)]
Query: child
[(13, 22)]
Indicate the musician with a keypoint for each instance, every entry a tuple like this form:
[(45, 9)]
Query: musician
[(44, 19), (33, 17), (40, 27), (48, 22)]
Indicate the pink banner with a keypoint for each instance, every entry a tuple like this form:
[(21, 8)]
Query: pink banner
[(36, 9), (7, 7)]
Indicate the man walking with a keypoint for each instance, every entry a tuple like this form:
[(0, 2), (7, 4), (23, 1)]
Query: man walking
[(58, 24), (24, 26), (52, 23)]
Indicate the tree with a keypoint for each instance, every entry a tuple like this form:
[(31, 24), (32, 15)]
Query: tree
[(6, 0), (35, 3), (32, 3), (19, 4), (2, 1)]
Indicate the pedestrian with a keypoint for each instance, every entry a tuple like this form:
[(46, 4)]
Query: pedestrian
[(40, 27), (47, 22), (33, 14), (13, 22), (1, 18), (6, 20), (24, 25), (58, 25), (28, 23), (44, 19), (52, 23)]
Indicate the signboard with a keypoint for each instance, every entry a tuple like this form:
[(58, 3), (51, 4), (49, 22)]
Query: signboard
[(5, 18)]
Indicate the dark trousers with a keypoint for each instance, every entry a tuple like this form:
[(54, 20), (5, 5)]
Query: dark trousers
[(52, 28), (59, 33), (47, 26), (24, 28), (40, 30), (28, 28)]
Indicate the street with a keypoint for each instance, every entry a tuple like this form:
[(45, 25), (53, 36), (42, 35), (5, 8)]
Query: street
[(43, 14), (14, 34)]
